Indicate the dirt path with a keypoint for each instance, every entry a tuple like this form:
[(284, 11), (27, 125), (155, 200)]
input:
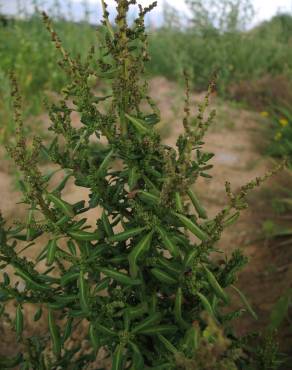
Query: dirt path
[(235, 139)]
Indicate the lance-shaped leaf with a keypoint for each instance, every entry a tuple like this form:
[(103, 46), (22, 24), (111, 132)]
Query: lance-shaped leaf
[(55, 334), (125, 235), (178, 203), (246, 303), (192, 337), (206, 304), (231, 220), (118, 357), (68, 329), (138, 124), (178, 309), (137, 252), (138, 360), (105, 330), (94, 339), (148, 198), (82, 235), (197, 205), (163, 276), (83, 292), (19, 321), (148, 322), (51, 252), (120, 277), (160, 329), (105, 163), (133, 177), (215, 285), (191, 226), (168, 345), (38, 314), (60, 204), (106, 224), (168, 243), (30, 281)]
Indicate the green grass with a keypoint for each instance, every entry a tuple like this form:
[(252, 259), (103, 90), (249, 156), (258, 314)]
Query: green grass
[(26, 48), (238, 57)]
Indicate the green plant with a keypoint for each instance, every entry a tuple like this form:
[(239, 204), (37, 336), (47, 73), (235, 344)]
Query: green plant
[(224, 16), (281, 145), (22, 38), (140, 283)]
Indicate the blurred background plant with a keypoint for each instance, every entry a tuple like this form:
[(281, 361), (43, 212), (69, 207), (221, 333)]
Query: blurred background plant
[(254, 65)]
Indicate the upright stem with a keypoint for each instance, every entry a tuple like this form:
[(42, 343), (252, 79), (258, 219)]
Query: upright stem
[(121, 21)]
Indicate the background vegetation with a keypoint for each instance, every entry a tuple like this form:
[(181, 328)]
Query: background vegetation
[(254, 65)]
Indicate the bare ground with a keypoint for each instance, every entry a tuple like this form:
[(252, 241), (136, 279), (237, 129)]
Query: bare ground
[(236, 140)]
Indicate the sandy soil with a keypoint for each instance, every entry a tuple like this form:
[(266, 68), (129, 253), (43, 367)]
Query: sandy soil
[(236, 140)]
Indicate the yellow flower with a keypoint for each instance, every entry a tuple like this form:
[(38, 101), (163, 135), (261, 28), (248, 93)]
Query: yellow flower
[(283, 122), (264, 114), (278, 136)]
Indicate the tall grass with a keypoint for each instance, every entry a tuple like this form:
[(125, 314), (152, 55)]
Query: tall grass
[(26, 48), (240, 56)]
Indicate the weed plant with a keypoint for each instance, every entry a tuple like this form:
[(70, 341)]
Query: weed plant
[(281, 145), (142, 283)]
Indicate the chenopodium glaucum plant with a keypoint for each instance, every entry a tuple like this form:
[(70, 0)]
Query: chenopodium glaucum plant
[(140, 285)]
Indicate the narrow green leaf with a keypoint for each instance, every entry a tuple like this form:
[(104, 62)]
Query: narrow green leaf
[(38, 314), (137, 252), (118, 358), (168, 243), (206, 304), (163, 276), (68, 329), (198, 207), (51, 252), (19, 321), (178, 203), (138, 124), (191, 226), (106, 224), (105, 163), (169, 346), (82, 235), (93, 337), (120, 277), (83, 292), (178, 309), (246, 303), (138, 360), (160, 329), (55, 334), (127, 234), (148, 322), (59, 203), (216, 286)]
